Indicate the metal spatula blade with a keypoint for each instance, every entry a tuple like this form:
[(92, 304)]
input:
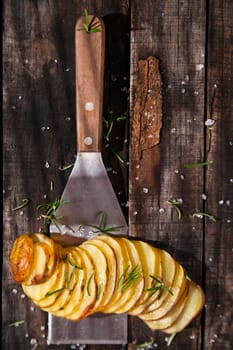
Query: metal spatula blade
[(88, 192)]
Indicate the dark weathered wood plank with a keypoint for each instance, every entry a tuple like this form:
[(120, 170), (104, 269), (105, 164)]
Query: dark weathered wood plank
[(39, 128), (173, 32), (219, 179)]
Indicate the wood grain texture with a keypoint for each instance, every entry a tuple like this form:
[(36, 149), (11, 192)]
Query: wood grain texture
[(192, 41), (219, 183), (174, 33), (39, 129)]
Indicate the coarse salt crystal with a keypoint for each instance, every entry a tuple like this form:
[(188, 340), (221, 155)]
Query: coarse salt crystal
[(209, 122), (145, 190), (204, 196), (221, 202), (199, 66), (14, 291), (47, 165)]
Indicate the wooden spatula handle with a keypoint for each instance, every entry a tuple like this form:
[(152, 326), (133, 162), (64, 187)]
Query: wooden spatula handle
[(89, 64)]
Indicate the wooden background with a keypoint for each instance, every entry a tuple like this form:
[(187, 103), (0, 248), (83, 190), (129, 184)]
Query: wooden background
[(193, 42)]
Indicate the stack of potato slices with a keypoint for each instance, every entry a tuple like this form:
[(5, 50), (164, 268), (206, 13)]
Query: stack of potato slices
[(107, 274)]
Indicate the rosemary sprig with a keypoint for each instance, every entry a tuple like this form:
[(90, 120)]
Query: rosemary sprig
[(88, 26), (127, 278), (49, 216), (101, 227), (170, 339), (200, 215), (16, 323), (175, 203), (67, 280), (157, 285), (197, 165), (108, 125), (88, 283), (24, 203)]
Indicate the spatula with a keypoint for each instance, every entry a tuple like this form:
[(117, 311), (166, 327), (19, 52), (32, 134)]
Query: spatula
[(89, 192)]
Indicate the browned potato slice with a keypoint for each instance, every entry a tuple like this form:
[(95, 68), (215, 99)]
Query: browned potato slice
[(122, 263), (37, 292), (100, 266), (21, 258), (151, 265), (84, 307), (171, 316), (111, 270), (131, 286), (191, 310), (68, 281), (176, 290), (74, 258), (168, 275)]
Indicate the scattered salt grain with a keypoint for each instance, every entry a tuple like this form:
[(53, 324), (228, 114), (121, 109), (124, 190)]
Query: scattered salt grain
[(199, 66), (67, 69), (161, 210), (20, 97), (215, 86), (56, 60), (22, 296), (21, 213), (221, 202), (14, 291), (210, 259), (47, 165), (176, 171), (32, 308), (182, 177), (33, 343), (231, 143), (68, 119), (135, 213), (145, 190), (136, 178), (204, 196), (13, 107), (209, 122), (137, 166), (113, 78), (183, 91), (228, 202), (231, 180), (196, 92), (173, 130)]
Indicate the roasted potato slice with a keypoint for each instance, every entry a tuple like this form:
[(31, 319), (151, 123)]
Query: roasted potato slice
[(168, 274), (21, 258), (192, 308), (151, 265), (169, 319), (111, 270), (131, 286), (100, 266), (173, 296), (122, 262), (80, 310)]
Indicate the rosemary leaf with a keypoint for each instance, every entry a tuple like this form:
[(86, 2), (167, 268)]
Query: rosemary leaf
[(175, 204), (88, 284), (48, 294), (73, 264), (157, 285), (197, 165), (170, 339), (200, 215), (16, 323), (24, 203), (66, 167)]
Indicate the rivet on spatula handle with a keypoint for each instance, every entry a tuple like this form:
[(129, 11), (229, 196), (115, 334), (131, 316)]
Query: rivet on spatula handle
[(89, 64)]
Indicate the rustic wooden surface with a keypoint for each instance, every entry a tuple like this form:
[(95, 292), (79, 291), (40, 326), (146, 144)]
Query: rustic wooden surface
[(193, 44)]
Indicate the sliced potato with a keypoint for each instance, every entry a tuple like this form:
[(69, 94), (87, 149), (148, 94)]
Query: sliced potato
[(80, 310), (151, 265), (75, 259), (176, 290), (122, 262), (100, 266), (131, 287), (191, 310), (168, 275), (21, 258), (111, 270), (171, 316), (63, 296), (38, 292)]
